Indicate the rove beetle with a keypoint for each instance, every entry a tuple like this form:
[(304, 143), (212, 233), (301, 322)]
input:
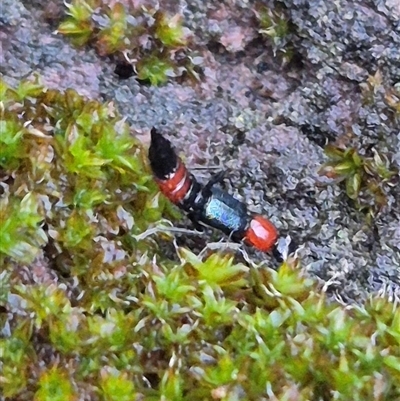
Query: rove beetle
[(208, 204)]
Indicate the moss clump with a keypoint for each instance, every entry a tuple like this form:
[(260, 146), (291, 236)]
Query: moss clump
[(274, 25), (362, 165), (71, 171), (155, 43), (93, 312), (368, 179)]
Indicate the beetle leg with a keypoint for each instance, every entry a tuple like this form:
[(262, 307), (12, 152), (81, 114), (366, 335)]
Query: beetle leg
[(283, 248), (194, 217), (215, 179)]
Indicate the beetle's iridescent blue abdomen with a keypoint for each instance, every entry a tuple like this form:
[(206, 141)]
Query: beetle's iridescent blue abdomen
[(217, 210), (225, 212)]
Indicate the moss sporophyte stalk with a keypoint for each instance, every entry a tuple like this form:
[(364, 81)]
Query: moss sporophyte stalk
[(92, 306)]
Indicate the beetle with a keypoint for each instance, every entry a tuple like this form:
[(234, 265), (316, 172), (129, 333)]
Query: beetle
[(208, 205)]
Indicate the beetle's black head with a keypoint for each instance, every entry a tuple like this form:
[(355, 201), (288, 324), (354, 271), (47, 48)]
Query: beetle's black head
[(163, 159)]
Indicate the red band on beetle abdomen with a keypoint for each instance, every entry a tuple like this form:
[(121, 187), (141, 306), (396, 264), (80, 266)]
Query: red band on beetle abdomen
[(176, 187)]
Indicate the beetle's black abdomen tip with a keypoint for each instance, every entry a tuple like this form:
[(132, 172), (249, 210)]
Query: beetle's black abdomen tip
[(155, 135), (163, 160), (159, 142)]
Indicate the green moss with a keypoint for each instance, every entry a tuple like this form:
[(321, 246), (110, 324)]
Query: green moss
[(275, 26), (155, 42), (17, 357), (94, 308), (169, 30), (54, 385), (367, 179), (116, 386), (154, 69), (20, 231)]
